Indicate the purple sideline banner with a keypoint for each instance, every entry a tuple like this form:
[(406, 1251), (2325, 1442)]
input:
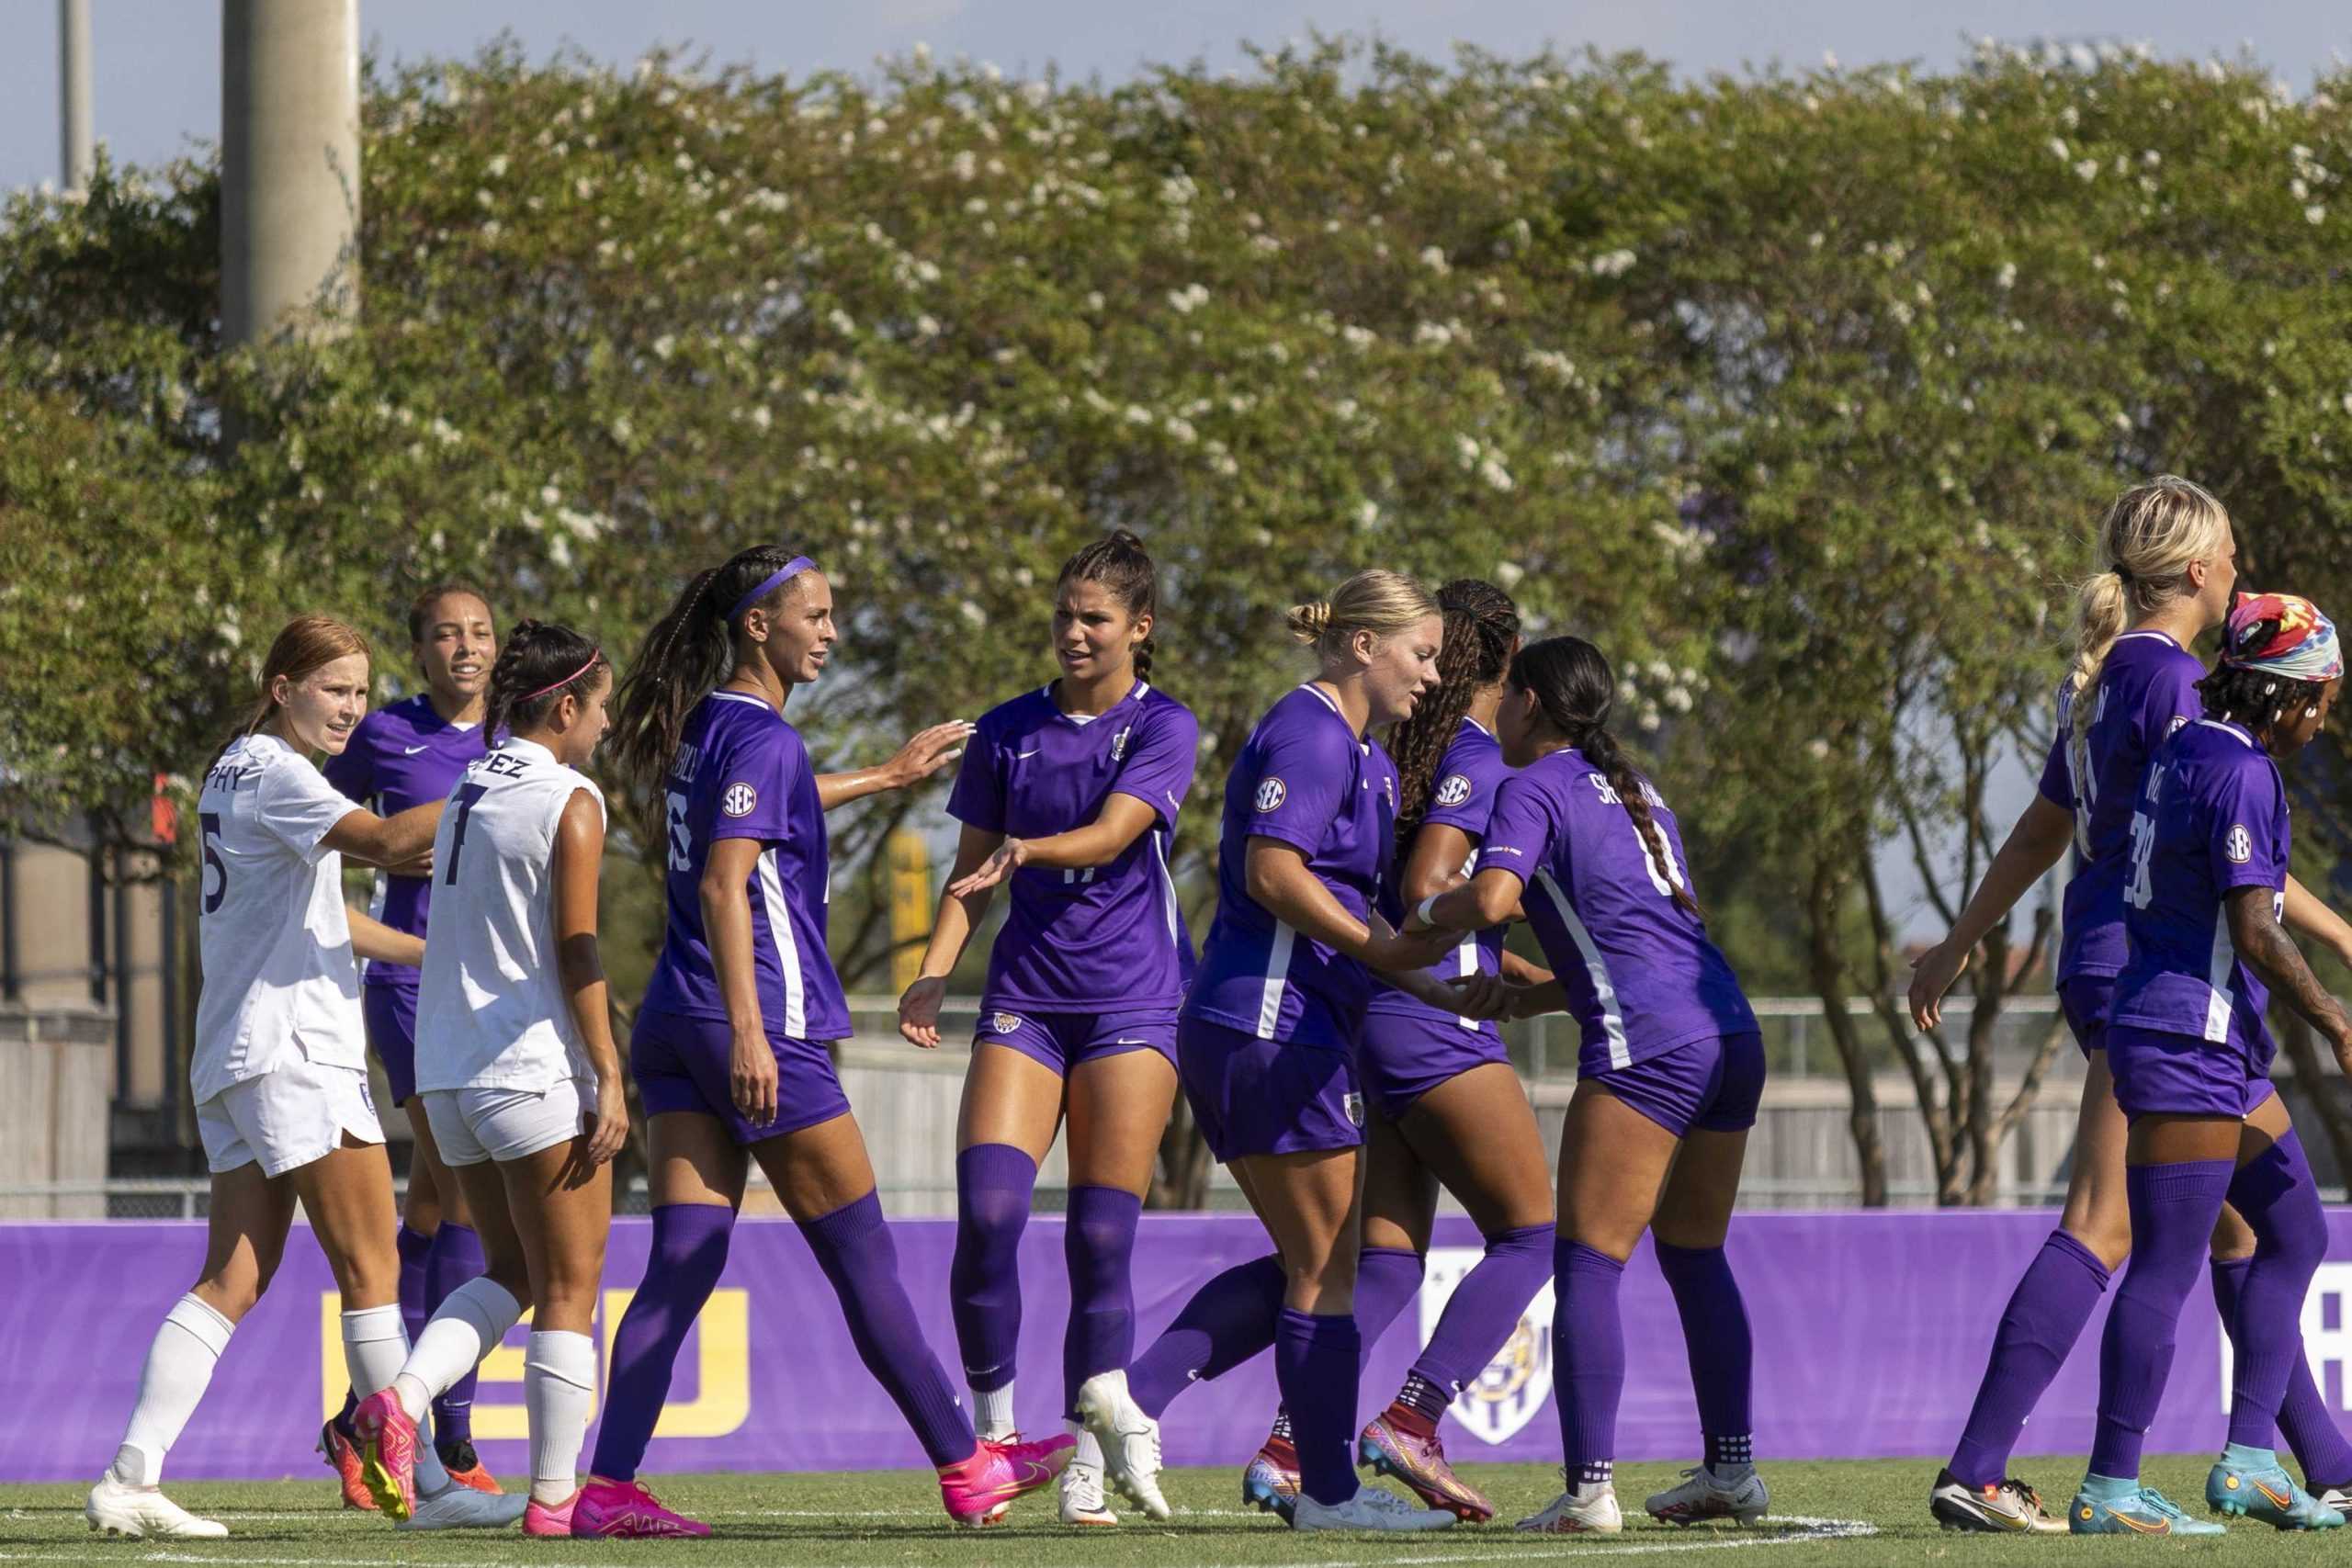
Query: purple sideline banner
[(1871, 1334)]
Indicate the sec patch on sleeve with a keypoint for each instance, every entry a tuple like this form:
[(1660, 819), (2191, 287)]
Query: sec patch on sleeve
[(1452, 790), (739, 800), (1271, 793), (2239, 845)]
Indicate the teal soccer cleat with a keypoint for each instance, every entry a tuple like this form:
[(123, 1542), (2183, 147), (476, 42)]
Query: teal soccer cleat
[(2131, 1509), (2251, 1483)]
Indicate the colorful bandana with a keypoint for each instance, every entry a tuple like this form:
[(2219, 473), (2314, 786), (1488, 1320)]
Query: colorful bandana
[(2282, 635)]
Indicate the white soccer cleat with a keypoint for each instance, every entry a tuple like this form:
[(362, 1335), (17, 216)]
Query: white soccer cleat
[(1130, 1441), (1082, 1500), (463, 1508), (143, 1511), (1703, 1496), (1372, 1508), (1580, 1510)]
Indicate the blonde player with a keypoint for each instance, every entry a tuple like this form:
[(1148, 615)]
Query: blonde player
[(517, 1071), (280, 1076)]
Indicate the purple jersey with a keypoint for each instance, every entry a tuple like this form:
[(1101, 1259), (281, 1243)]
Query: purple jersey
[(2212, 818), (2146, 690), (401, 755), (1462, 796), (1304, 779), (742, 772), (1641, 976), (1109, 936)]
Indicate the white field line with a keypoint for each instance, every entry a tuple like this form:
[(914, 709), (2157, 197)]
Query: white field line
[(1805, 1529)]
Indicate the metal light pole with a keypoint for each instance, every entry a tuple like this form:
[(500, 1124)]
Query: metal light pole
[(289, 157), (73, 155)]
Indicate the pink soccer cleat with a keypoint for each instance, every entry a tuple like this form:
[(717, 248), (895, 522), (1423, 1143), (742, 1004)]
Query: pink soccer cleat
[(978, 1491), (1419, 1462), (540, 1519), (343, 1456), (626, 1510), (387, 1452)]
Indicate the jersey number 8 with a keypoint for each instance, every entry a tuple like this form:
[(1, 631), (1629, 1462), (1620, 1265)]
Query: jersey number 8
[(682, 843), (2143, 848)]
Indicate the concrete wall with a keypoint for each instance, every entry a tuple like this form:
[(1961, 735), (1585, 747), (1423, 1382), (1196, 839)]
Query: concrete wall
[(58, 1064)]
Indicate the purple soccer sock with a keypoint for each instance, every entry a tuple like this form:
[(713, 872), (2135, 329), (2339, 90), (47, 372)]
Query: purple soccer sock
[(1587, 1357), (1098, 1246), (854, 1247), (2173, 1210), (994, 1183), (1228, 1320), (456, 1258), (1485, 1308), (1721, 1350), (1316, 1366), (1387, 1279), (2045, 1315), (2276, 1195), (680, 1271), (2304, 1418)]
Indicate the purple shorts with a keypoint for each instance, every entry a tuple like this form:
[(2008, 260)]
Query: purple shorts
[(680, 1064), (1402, 1057), (1711, 1085), (1065, 1040), (2085, 1000), (1267, 1097), (389, 1014), (2158, 1073)]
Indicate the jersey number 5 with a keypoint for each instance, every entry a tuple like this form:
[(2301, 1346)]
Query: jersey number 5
[(214, 867)]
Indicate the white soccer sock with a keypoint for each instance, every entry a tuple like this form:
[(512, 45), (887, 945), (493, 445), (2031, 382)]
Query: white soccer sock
[(992, 1413), (375, 1347), (471, 1320), (560, 1393), (1088, 1451), (180, 1360)]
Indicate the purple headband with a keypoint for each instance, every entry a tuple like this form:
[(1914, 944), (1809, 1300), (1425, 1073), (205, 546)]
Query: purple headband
[(594, 660), (792, 568)]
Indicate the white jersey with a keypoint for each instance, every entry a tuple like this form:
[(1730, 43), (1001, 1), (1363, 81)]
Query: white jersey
[(490, 1012), (279, 980)]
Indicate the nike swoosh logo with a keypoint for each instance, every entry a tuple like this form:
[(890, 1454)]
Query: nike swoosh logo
[(2277, 1500), (1130, 1042), (411, 750), (2162, 1526), (1023, 756)]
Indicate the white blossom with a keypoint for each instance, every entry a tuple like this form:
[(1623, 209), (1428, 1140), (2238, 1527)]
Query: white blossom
[(1613, 263), (2315, 213), (665, 346), (498, 166), (2086, 169), (1434, 259), (2008, 276), (1508, 573), (1495, 474), (761, 417)]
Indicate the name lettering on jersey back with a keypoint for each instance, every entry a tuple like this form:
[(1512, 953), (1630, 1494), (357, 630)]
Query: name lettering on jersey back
[(234, 776), (689, 758), (503, 765)]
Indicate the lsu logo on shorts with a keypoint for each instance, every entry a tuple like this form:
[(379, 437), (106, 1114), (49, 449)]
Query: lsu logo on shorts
[(1003, 1024), (1271, 793), (1451, 790), (1355, 1109), (739, 800)]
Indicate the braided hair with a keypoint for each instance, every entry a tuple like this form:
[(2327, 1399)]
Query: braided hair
[(1118, 561), (1481, 624), (1573, 685), (2258, 699), (686, 656), (541, 665)]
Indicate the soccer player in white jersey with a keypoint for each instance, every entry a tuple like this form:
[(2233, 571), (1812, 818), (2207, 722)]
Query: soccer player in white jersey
[(281, 1071), (517, 1068)]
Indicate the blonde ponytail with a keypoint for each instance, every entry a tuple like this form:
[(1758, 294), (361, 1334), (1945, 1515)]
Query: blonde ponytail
[(1309, 621), (2147, 540), (1381, 602)]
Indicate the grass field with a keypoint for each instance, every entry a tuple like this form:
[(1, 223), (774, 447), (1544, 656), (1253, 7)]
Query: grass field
[(1828, 1513)]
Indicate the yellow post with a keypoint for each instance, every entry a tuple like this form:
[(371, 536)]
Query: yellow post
[(911, 895)]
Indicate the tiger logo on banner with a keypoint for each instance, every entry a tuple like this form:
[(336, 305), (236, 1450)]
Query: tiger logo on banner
[(1510, 1390)]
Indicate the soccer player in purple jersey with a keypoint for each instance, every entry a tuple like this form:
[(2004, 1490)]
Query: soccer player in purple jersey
[(1443, 1105), (1266, 1043), (730, 1046), (402, 755), (1069, 793), (2190, 1055), (1668, 1078), (2165, 577), (279, 1075)]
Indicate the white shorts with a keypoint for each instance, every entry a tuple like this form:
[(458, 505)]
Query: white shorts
[(287, 1117), (476, 1124)]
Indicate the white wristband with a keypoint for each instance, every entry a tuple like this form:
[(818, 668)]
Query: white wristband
[(1422, 910)]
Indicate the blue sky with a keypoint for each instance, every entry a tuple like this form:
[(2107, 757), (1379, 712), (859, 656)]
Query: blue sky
[(157, 61)]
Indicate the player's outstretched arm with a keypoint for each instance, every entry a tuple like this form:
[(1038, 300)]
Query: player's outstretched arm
[(961, 909), (2037, 843), (371, 938), (580, 964), (923, 755), (2309, 916)]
